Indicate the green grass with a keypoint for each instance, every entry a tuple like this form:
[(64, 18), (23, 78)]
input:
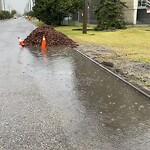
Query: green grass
[(132, 43), (37, 23)]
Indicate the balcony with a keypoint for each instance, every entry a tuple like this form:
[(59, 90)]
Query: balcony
[(143, 4)]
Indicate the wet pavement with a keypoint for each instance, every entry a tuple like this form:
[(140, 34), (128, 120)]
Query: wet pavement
[(60, 100)]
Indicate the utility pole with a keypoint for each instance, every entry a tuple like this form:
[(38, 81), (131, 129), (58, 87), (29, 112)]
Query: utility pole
[(85, 17)]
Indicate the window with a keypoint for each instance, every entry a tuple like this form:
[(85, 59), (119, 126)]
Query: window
[(142, 3)]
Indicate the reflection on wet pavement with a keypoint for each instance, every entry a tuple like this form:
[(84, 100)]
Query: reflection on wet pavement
[(93, 106)]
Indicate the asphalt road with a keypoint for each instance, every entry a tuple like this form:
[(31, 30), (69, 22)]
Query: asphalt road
[(64, 101)]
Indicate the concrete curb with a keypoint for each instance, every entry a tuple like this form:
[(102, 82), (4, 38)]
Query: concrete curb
[(136, 88)]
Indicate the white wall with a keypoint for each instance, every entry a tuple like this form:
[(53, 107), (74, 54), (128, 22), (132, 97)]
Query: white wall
[(130, 13)]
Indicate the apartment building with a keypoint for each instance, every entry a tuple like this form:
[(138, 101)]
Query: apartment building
[(143, 11)]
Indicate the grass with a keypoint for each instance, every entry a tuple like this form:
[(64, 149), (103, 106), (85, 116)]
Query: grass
[(132, 43), (37, 23)]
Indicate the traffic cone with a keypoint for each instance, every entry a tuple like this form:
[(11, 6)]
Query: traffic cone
[(43, 46), (21, 42)]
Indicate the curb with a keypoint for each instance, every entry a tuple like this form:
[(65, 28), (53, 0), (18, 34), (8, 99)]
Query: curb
[(136, 88)]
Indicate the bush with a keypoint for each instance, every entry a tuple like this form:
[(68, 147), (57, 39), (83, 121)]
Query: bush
[(110, 15), (5, 15)]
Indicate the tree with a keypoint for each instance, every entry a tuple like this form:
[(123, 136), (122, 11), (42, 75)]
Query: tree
[(2, 15), (53, 12), (5, 14), (30, 13), (110, 14), (13, 12)]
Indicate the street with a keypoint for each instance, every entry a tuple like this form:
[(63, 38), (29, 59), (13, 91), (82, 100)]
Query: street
[(61, 100)]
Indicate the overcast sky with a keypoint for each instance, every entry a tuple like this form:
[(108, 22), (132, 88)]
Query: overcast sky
[(18, 5)]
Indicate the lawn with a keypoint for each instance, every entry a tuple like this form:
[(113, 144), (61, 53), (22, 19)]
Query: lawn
[(132, 43)]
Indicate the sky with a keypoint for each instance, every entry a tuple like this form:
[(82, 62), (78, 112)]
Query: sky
[(18, 5)]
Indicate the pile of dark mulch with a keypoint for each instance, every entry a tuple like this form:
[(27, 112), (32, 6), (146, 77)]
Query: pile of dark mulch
[(53, 38)]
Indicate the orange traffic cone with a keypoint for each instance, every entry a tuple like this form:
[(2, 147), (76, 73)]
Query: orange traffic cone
[(21, 42), (43, 46)]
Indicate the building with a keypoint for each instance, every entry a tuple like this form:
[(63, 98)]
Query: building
[(1, 5), (143, 13), (130, 13), (137, 11)]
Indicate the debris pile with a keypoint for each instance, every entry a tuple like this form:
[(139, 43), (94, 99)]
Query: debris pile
[(53, 38)]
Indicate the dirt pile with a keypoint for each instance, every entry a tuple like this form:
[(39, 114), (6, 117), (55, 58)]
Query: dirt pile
[(53, 38)]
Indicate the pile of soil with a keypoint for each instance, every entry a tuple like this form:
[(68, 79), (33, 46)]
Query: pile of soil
[(53, 38)]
